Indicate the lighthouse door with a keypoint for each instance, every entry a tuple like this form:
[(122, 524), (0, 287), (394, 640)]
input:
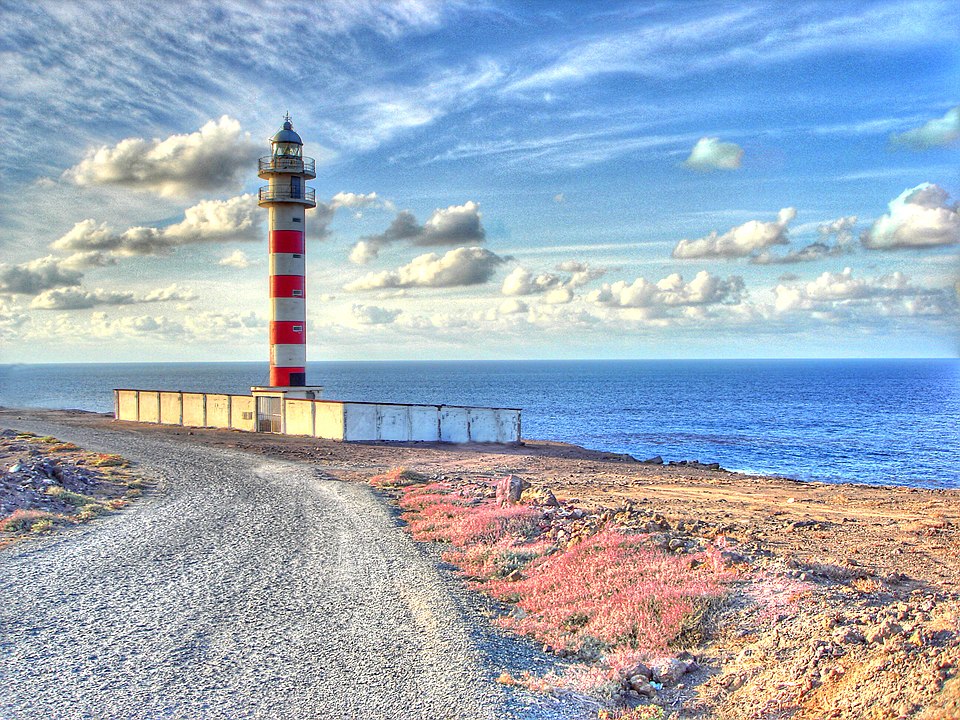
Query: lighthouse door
[(295, 192), (269, 414)]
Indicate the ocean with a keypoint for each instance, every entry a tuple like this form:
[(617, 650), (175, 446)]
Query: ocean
[(870, 421)]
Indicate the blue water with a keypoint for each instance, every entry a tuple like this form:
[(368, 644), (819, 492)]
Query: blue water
[(871, 421)]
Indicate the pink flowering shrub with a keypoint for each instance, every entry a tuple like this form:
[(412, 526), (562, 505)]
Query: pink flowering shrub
[(611, 595), (612, 588)]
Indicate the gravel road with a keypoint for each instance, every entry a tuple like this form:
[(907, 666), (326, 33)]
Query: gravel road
[(239, 588)]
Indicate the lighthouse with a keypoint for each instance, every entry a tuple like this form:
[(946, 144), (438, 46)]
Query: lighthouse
[(287, 197)]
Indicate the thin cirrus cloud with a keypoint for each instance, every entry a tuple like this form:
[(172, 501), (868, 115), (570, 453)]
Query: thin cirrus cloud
[(939, 132), (920, 217), (711, 154), (460, 267), (740, 241), (215, 157), (454, 225)]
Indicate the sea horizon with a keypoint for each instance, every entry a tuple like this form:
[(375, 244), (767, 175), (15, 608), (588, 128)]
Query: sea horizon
[(872, 420)]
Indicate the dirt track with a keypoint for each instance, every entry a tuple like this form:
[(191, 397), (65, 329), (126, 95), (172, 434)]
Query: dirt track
[(239, 588)]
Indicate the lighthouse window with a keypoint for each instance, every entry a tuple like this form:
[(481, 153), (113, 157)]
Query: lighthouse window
[(297, 293), (298, 328), (295, 220), (296, 255)]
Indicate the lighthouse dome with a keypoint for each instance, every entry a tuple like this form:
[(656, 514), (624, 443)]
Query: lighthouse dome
[(286, 135)]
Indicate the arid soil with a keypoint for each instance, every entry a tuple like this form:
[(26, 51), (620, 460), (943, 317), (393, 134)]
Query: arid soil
[(846, 602)]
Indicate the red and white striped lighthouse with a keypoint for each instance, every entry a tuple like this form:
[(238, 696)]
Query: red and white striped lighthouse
[(287, 197)]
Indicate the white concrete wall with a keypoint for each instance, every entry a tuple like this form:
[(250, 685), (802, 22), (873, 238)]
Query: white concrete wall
[(360, 422), (424, 422), (454, 426), (326, 419), (298, 419)]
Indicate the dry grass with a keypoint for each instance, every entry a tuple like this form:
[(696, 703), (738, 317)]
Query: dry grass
[(398, 478), (22, 521)]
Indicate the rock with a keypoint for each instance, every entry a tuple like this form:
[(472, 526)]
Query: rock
[(641, 670), (886, 629), (509, 489), (639, 685), (669, 671), (848, 635), (539, 496), (655, 460), (729, 558)]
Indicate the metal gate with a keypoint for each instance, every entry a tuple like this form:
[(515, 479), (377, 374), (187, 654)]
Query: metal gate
[(270, 414)]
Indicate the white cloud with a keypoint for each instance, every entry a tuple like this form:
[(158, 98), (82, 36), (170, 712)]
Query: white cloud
[(237, 259), (373, 315), (831, 293), (208, 221), (456, 268), (32, 278), (711, 154), (354, 200), (559, 198), (521, 281), (215, 157), (840, 230), (670, 292), (454, 225), (512, 306), (79, 299), (739, 241), (919, 217), (939, 132)]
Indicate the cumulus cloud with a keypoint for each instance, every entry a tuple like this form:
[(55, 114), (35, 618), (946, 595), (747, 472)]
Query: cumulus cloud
[(670, 292), (79, 299), (835, 239), (740, 241), (891, 294), (208, 221), (373, 315), (457, 268), (215, 157), (512, 306), (939, 132), (555, 288), (36, 276), (711, 154), (237, 259), (919, 217), (454, 225)]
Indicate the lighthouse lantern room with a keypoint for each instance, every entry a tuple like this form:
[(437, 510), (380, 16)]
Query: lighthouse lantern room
[(287, 198)]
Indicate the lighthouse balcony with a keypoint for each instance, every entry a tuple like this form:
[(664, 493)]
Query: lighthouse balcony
[(301, 196), (272, 165)]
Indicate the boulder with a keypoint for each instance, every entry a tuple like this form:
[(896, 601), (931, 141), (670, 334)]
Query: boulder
[(509, 489), (655, 460), (669, 671)]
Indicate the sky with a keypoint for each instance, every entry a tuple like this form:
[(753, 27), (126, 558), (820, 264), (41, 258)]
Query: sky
[(495, 180)]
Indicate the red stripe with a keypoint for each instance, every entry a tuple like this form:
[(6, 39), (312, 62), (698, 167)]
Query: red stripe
[(282, 332), (286, 241), (280, 377), (282, 286)]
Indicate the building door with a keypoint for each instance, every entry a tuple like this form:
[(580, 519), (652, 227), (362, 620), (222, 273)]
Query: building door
[(295, 188), (269, 414)]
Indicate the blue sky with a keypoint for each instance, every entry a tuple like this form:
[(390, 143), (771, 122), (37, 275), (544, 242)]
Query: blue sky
[(526, 180)]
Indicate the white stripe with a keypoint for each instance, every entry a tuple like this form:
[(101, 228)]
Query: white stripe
[(288, 355), (291, 309), (286, 264), (282, 217)]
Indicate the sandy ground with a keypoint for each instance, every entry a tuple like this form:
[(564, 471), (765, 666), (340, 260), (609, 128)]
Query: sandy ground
[(832, 560)]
